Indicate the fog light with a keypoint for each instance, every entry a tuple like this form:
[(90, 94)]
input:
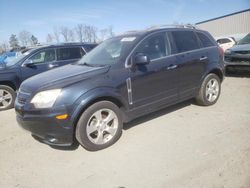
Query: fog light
[(61, 117)]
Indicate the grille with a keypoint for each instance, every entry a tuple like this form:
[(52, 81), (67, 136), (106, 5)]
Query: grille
[(240, 60), (243, 52)]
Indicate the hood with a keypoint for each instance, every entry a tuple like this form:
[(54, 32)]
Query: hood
[(61, 77), (241, 47)]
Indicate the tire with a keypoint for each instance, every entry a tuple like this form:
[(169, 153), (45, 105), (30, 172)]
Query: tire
[(95, 132), (209, 91), (7, 97)]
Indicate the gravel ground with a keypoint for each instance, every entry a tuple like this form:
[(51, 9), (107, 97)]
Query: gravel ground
[(182, 146)]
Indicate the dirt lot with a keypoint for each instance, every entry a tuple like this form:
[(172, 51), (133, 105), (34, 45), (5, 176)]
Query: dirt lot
[(182, 146)]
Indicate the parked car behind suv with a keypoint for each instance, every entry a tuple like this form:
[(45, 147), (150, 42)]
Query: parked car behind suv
[(226, 42), (33, 62), (123, 78), (238, 57)]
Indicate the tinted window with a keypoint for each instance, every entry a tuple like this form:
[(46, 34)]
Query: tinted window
[(206, 42), (223, 41), (69, 53), (43, 56), (185, 40), (154, 47)]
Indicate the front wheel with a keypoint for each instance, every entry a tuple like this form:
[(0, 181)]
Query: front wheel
[(7, 97), (209, 91), (99, 126)]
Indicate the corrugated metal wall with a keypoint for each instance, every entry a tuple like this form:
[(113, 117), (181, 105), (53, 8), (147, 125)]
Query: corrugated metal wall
[(228, 26)]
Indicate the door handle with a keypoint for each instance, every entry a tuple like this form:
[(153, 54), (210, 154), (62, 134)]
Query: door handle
[(172, 67), (203, 58)]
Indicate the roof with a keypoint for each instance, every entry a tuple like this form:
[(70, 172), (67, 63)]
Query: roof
[(63, 45), (223, 16), (157, 28)]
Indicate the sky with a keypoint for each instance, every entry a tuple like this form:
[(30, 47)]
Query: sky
[(40, 16)]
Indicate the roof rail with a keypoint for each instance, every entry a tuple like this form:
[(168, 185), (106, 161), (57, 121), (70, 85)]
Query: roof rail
[(190, 26)]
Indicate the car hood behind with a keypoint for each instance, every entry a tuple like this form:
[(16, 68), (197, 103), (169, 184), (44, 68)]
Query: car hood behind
[(61, 77), (241, 47)]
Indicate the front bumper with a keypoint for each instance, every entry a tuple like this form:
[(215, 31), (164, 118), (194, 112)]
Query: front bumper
[(46, 127)]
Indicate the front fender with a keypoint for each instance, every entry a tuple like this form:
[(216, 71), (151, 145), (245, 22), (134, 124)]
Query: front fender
[(101, 93)]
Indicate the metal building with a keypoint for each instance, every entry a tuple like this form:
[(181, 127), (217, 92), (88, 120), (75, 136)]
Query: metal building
[(235, 25)]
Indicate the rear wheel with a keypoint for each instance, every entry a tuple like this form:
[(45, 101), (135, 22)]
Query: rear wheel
[(209, 91), (7, 97), (99, 126)]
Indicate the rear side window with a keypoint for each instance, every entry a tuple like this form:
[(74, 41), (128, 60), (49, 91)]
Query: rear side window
[(185, 40), (69, 53), (206, 42)]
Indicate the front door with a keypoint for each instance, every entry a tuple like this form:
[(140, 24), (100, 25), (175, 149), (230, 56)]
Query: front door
[(41, 61), (156, 83)]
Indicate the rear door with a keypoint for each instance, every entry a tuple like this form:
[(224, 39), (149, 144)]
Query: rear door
[(68, 55), (41, 62), (191, 60)]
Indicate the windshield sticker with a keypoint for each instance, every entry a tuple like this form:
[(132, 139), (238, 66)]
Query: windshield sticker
[(128, 39)]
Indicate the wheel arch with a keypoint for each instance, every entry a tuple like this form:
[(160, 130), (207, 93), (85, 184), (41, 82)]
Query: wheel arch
[(86, 102), (9, 84), (218, 72)]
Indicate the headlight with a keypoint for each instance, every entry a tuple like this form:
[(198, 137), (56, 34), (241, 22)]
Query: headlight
[(228, 51), (45, 99)]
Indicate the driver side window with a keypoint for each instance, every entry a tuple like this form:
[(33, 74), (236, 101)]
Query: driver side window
[(44, 56), (154, 46)]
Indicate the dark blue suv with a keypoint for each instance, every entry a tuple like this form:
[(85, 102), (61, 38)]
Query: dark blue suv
[(33, 62), (123, 78)]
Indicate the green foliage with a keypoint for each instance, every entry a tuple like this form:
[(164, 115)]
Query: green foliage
[(13, 41)]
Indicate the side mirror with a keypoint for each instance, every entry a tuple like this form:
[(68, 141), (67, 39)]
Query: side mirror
[(28, 63), (141, 59)]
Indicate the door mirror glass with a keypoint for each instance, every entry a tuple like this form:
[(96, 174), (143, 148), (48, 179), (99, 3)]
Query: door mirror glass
[(141, 59)]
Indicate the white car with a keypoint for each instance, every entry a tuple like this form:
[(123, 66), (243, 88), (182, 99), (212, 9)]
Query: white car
[(226, 42)]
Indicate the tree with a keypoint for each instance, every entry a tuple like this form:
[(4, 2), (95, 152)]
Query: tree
[(25, 37), (4, 47), (71, 36), (80, 32), (13, 41), (34, 40), (65, 32), (90, 33), (56, 35), (106, 33), (49, 38)]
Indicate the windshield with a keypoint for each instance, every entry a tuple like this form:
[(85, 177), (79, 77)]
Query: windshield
[(10, 61), (245, 40), (108, 52)]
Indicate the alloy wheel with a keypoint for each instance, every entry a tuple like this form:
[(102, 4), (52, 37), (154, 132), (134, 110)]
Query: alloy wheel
[(102, 126), (5, 98)]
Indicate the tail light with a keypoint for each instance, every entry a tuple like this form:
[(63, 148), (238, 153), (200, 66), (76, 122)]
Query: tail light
[(221, 51)]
